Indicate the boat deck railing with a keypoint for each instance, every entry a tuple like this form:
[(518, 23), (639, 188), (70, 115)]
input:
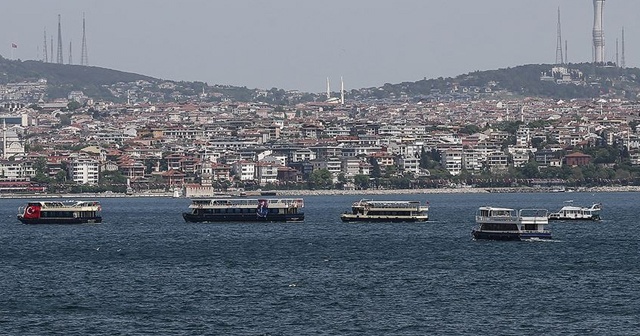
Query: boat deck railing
[(390, 204), (513, 231), (67, 204), (248, 202)]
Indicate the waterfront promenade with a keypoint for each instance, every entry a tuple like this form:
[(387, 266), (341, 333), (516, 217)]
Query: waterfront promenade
[(467, 190), (253, 194)]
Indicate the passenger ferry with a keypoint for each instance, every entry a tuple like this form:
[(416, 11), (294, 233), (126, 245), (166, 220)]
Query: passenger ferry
[(60, 212), (366, 210), (245, 210), (572, 212), (510, 224)]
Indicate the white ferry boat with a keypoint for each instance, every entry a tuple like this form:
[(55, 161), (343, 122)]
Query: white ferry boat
[(366, 210), (572, 212), (60, 212), (245, 210), (510, 224)]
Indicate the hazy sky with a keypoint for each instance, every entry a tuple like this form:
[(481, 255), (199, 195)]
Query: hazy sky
[(297, 44)]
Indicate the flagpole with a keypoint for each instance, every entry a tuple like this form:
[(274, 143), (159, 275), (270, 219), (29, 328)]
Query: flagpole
[(13, 46)]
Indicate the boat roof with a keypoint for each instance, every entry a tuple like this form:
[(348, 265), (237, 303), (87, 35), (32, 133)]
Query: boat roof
[(573, 207), (495, 208), (387, 202), (243, 199), (65, 203)]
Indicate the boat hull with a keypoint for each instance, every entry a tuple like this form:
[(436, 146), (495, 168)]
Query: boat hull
[(241, 217), (565, 218), (348, 218), (70, 220), (493, 235)]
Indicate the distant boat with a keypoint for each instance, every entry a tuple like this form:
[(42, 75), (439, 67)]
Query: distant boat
[(510, 224), (60, 212), (572, 212), (386, 211)]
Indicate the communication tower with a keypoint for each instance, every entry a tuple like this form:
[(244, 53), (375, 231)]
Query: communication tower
[(59, 58), (328, 89), (341, 91), (70, 53), (622, 61), (46, 55), (598, 32), (84, 59), (559, 57)]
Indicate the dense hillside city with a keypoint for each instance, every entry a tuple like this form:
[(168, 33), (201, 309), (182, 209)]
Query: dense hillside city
[(86, 129)]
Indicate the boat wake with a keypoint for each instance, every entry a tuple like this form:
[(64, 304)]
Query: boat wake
[(542, 240)]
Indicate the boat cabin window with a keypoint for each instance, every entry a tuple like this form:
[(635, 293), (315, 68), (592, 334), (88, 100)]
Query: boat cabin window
[(500, 227), (495, 213), (500, 213)]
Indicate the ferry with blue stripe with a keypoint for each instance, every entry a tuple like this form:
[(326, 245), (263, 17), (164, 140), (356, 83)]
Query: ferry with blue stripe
[(245, 210)]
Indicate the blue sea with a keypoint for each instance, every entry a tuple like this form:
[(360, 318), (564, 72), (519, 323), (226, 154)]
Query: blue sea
[(145, 271)]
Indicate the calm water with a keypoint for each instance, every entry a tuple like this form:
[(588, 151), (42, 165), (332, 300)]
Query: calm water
[(144, 271)]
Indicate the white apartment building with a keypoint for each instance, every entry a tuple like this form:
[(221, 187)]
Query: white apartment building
[(245, 170), (84, 170), (333, 165), (304, 154), (451, 159), (351, 166), (473, 160), (405, 148), (266, 172), (409, 164), (523, 137), (498, 161), (10, 170)]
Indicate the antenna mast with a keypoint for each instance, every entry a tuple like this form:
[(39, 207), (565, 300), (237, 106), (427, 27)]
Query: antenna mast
[(59, 58), (84, 59), (617, 54), (341, 91), (70, 50), (46, 55), (622, 61), (559, 57), (328, 89)]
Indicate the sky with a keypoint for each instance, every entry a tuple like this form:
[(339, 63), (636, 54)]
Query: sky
[(298, 44)]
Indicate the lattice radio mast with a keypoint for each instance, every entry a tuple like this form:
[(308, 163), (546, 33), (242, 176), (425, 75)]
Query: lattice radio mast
[(559, 57), (84, 59), (70, 53), (59, 58), (622, 61), (46, 53)]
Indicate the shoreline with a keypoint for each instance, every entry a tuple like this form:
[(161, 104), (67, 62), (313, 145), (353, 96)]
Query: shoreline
[(451, 191), (288, 193)]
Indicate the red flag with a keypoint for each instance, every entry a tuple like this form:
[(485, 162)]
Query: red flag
[(32, 211), (13, 45)]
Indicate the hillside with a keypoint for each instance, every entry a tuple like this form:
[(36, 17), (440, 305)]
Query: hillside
[(582, 80), (63, 78)]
